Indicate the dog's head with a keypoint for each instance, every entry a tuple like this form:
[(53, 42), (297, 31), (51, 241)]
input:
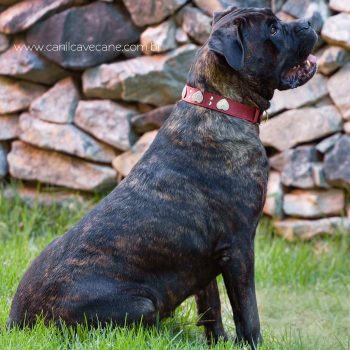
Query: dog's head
[(264, 50)]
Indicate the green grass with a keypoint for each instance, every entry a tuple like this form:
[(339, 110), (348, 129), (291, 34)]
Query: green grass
[(303, 291)]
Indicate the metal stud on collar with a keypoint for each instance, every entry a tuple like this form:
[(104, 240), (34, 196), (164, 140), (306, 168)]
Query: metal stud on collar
[(223, 105), (184, 91), (197, 97)]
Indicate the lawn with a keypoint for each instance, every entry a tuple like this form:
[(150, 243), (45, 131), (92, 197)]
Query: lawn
[(303, 291)]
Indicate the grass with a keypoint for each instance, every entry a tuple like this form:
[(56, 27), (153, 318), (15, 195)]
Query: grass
[(303, 291)]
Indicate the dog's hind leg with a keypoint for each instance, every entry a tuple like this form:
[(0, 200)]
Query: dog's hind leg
[(209, 311), (105, 303)]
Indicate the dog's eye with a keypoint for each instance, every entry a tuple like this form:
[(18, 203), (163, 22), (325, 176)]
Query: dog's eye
[(273, 30)]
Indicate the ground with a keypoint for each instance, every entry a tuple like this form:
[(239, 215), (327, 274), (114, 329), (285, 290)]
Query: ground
[(303, 291)]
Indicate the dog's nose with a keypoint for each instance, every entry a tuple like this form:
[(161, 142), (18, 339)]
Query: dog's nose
[(316, 21)]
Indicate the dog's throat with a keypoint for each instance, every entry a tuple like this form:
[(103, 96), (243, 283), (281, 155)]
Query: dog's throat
[(221, 104)]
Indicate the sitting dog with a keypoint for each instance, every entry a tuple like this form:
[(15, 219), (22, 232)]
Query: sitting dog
[(188, 211)]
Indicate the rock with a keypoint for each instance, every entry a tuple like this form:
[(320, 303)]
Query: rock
[(308, 229), (133, 52), (332, 58), (340, 5), (311, 92), (326, 144), (196, 24), (145, 12), (159, 38), (7, 3), (126, 161), (17, 95), (246, 3), (181, 37), (23, 15), (278, 161), (347, 127), (33, 164), (337, 163), (274, 197), (109, 29), (144, 107), (152, 120), (325, 101), (319, 176), (9, 127), (209, 6), (58, 104), (298, 175), (112, 125), (3, 160), (22, 63), (314, 204), (4, 42), (65, 138), (299, 126), (305, 8), (336, 30), (296, 8), (298, 155), (339, 90), (285, 17), (32, 197), (276, 5), (157, 79), (299, 167)]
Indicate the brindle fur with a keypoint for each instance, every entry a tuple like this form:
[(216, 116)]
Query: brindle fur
[(186, 213)]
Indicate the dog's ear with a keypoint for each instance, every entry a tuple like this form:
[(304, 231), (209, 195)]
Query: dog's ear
[(226, 41), (219, 14)]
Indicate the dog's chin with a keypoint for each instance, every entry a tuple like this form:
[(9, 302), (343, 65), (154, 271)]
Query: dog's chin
[(298, 75)]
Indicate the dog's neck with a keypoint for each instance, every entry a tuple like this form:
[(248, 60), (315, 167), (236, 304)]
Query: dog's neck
[(209, 73)]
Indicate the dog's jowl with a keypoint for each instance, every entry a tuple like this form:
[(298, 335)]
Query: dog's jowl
[(189, 209)]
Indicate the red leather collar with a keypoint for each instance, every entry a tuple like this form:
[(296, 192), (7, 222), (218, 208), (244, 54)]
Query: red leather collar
[(221, 104)]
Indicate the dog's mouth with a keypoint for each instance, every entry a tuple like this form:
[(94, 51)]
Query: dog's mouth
[(299, 74)]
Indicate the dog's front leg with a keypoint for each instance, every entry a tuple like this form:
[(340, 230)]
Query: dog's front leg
[(238, 273), (209, 311)]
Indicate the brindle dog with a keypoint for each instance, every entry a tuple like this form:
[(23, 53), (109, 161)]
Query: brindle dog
[(189, 209)]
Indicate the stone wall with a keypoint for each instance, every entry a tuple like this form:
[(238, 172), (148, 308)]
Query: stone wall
[(80, 118)]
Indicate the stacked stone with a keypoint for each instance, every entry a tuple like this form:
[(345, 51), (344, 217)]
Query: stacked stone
[(308, 137), (81, 118), (61, 122)]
